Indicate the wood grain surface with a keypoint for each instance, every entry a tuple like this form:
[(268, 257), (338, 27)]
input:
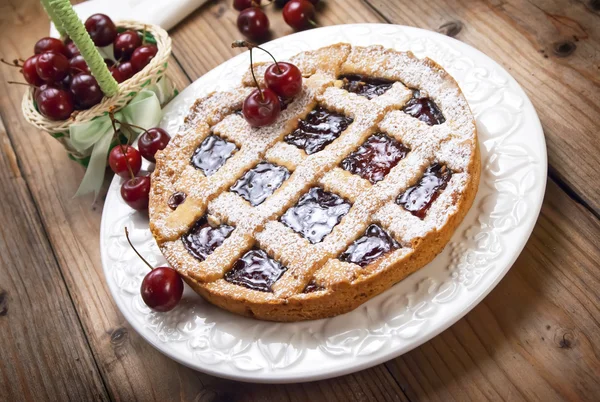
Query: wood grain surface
[(536, 336), (44, 351)]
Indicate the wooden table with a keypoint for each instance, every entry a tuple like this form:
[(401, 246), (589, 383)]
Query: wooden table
[(536, 336)]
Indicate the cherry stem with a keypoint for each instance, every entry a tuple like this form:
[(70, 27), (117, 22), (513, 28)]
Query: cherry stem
[(114, 124), (15, 63), (134, 249), (254, 77), (144, 36), (134, 126), (250, 45), (81, 70), (23, 83), (269, 53)]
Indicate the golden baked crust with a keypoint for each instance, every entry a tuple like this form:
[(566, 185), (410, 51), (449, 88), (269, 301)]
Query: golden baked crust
[(340, 286)]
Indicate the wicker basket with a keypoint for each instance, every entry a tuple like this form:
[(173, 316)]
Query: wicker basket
[(150, 74)]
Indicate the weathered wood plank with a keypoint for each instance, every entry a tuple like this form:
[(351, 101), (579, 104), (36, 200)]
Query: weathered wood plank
[(203, 41), (537, 335), (551, 47), (45, 355)]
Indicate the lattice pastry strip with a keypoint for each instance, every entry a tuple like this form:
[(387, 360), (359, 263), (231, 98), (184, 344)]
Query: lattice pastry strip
[(351, 208), (218, 262), (344, 183), (213, 108), (286, 155)]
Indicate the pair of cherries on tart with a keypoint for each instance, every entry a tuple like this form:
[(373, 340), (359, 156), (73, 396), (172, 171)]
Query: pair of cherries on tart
[(283, 82)]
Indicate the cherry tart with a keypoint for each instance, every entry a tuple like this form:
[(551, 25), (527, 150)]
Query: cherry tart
[(360, 180)]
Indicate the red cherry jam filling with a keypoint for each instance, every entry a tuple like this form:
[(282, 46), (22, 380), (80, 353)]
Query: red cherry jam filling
[(424, 109), (316, 214), (375, 158), (203, 239), (363, 85), (212, 154), (285, 102), (176, 199), (374, 244), (259, 183), (312, 287), (418, 198), (320, 128), (256, 271)]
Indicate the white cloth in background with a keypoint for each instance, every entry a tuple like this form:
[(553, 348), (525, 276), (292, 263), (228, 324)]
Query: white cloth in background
[(165, 13)]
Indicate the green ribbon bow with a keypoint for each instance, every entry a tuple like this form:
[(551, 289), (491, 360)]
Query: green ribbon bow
[(143, 110)]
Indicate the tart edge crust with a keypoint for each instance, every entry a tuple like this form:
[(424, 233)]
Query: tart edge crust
[(346, 296)]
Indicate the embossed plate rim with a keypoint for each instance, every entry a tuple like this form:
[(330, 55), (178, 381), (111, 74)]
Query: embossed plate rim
[(323, 344)]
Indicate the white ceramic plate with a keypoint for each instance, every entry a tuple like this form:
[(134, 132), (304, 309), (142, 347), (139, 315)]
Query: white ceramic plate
[(481, 251)]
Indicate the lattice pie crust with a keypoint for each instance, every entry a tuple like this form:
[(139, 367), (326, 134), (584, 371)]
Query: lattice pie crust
[(261, 257)]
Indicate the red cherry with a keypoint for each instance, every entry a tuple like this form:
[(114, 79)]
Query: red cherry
[(142, 56), (127, 71), (29, 71), (78, 65), (125, 43), (54, 103), (66, 82), (109, 63), (261, 110), (299, 14), (72, 50), (102, 29), (135, 192), (117, 74), (117, 160), (253, 23), (39, 89), (50, 45), (152, 141), (52, 67), (85, 90), (162, 289), (241, 5), (284, 78)]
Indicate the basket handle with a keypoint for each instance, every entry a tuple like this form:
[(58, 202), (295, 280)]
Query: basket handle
[(53, 18), (62, 14)]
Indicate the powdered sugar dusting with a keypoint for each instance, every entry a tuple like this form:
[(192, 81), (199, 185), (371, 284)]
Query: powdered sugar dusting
[(451, 143)]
